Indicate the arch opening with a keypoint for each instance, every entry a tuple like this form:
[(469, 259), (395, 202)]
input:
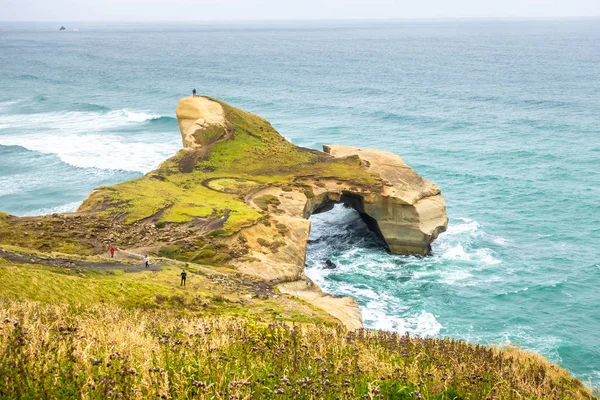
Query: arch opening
[(350, 201)]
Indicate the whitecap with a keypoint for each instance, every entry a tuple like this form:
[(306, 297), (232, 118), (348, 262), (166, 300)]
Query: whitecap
[(7, 104), (137, 116), (453, 277), (427, 325), (357, 292), (74, 121), (500, 240), (64, 208), (423, 324), (485, 256), (456, 253), (103, 151), (468, 226)]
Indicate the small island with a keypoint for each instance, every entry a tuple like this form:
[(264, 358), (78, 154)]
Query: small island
[(231, 209)]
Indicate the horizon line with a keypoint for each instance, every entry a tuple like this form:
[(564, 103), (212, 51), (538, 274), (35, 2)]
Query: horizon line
[(374, 19)]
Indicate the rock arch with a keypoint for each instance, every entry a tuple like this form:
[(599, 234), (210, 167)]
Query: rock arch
[(327, 200)]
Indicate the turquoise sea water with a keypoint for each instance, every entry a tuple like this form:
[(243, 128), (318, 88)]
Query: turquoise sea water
[(504, 116)]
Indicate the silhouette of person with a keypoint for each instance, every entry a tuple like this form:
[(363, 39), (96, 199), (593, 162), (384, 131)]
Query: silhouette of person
[(194, 92), (183, 277)]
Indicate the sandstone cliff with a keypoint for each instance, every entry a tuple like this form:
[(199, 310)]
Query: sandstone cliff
[(239, 194)]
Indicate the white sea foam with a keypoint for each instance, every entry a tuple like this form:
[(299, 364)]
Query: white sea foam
[(74, 121), (467, 226), (364, 293), (456, 253), (90, 139), (423, 324), (104, 151), (530, 339), (485, 256), (454, 277), (500, 240), (65, 208), (6, 104)]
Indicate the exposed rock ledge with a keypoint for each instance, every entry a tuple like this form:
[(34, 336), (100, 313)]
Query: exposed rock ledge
[(238, 194)]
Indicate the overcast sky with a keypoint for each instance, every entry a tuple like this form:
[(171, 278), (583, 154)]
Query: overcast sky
[(201, 10)]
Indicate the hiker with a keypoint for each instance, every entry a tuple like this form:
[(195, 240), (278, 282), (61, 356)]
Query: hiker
[(112, 252), (183, 277), (147, 261), (194, 92)]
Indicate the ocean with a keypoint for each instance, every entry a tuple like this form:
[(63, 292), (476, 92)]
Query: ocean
[(504, 116)]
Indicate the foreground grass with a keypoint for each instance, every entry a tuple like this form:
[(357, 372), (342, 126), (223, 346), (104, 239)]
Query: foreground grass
[(206, 294), (63, 351)]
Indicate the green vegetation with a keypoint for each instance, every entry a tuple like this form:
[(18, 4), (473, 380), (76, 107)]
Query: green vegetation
[(49, 233), (215, 186), (99, 352), (75, 324), (85, 282)]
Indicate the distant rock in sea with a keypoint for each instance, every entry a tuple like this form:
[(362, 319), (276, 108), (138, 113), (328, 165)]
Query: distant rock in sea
[(62, 28)]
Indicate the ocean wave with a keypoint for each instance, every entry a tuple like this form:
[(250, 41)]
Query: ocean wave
[(103, 151), (467, 226), (423, 324), (162, 120), (64, 208), (454, 277), (75, 121), (5, 105), (500, 240), (88, 139)]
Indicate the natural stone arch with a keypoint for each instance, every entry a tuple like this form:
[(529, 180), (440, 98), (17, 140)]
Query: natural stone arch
[(348, 199), (407, 211), (404, 228)]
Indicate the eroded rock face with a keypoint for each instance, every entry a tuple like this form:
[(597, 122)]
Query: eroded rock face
[(410, 212), (407, 211), (201, 122)]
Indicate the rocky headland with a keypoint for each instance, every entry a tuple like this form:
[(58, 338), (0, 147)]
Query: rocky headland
[(231, 208), (239, 194)]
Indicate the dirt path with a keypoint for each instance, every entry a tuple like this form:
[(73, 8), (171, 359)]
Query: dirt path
[(79, 264)]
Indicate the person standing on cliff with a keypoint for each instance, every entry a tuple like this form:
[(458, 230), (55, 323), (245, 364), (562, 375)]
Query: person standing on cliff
[(112, 252), (194, 92), (183, 278)]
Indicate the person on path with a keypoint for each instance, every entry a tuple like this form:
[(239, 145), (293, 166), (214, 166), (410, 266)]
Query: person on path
[(183, 277), (112, 252), (194, 92), (147, 261)]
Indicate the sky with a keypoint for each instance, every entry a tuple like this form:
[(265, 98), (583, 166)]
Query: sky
[(231, 10)]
